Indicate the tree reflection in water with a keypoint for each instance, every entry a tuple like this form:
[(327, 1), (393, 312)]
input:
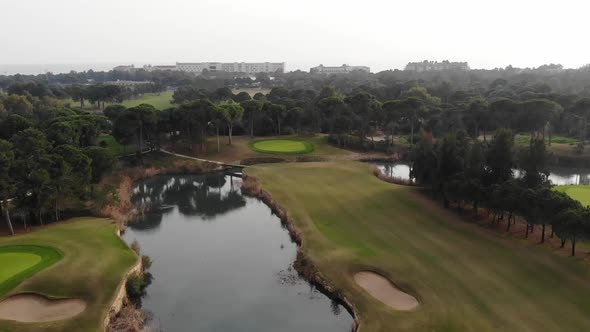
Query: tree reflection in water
[(205, 196)]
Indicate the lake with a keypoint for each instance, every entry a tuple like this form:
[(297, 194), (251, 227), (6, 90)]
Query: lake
[(223, 261), (558, 175)]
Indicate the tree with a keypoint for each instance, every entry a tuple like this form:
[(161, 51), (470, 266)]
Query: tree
[(367, 111), (533, 162), (232, 112), (393, 112), (500, 157), (18, 105), (536, 114), (134, 122), (278, 113), (32, 161), (7, 187), (477, 116), (196, 116), (251, 108), (102, 161), (412, 109)]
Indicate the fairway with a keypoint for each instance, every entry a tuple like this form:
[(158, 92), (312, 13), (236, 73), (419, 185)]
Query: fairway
[(160, 101), (91, 262), (282, 146), (20, 262), (465, 277), (579, 193)]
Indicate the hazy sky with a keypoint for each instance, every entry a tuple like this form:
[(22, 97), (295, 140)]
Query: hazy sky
[(302, 33)]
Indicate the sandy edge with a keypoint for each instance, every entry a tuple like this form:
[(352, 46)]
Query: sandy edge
[(33, 308), (385, 291)]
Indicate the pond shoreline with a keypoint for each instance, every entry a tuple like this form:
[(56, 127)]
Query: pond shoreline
[(303, 264)]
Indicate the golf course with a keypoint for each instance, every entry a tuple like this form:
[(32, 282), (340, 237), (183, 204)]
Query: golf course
[(287, 147), (73, 266), (464, 277)]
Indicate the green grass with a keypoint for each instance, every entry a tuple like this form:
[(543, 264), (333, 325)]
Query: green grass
[(524, 139), (20, 262), (466, 277), (281, 146), (580, 193), (114, 147), (160, 101), (94, 260)]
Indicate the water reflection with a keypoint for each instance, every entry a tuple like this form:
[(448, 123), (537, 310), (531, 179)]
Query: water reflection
[(558, 175), (222, 261)]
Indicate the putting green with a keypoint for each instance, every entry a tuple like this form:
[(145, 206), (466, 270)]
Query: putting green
[(282, 146), (18, 263)]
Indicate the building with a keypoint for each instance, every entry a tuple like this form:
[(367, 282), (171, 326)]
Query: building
[(344, 69), (232, 67), (160, 67), (436, 66)]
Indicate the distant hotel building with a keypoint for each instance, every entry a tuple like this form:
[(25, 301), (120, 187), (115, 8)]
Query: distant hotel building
[(436, 66), (160, 67), (321, 69), (232, 67)]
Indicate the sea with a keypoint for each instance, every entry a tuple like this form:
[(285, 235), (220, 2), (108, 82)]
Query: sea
[(55, 68)]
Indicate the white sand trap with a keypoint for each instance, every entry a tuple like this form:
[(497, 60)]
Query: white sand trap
[(31, 308), (385, 291)]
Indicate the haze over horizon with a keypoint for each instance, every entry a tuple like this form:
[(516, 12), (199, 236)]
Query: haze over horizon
[(379, 34)]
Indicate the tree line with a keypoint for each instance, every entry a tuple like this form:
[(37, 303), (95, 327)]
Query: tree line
[(464, 171), (49, 157)]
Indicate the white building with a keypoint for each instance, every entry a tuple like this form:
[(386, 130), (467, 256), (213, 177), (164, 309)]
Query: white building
[(232, 67), (321, 69)]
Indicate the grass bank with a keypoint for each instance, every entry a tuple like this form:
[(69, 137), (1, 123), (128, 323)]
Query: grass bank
[(466, 278), (93, 264), (115, 190)]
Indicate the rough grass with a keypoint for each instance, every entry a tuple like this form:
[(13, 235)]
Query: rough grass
[(93, 264), (20, 262), (160, 101), (114, 147), (580, 193), (281, 146), (466, 278)]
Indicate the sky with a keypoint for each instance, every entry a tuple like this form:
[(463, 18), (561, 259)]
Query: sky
[(303, 33)]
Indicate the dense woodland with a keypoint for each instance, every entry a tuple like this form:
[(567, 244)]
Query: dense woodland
[(49, 152)]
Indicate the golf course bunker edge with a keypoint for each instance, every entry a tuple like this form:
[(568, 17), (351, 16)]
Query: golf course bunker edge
[(34, 308), (385, 291)]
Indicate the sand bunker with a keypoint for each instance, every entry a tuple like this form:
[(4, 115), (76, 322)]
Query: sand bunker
[(31, 308), (385, 291)]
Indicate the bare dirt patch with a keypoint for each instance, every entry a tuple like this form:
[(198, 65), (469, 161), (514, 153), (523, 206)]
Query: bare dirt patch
[(385, 291), (31, 308)]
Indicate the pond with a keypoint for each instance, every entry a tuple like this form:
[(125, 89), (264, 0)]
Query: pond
[(222, 261), (558, 175)]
